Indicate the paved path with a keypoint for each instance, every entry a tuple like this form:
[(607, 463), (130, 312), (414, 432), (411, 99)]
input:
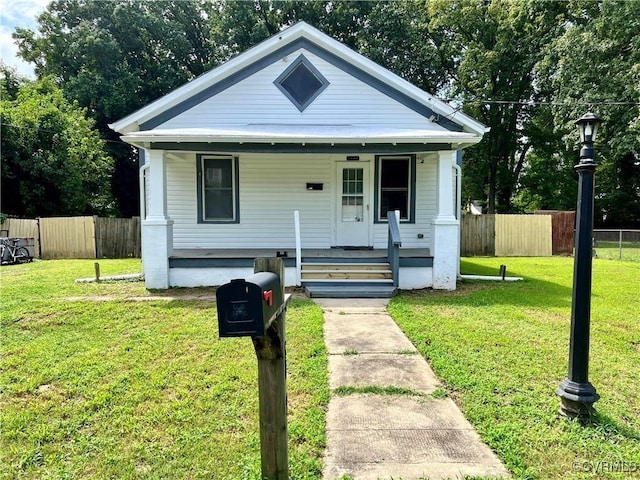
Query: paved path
[(381, 436)]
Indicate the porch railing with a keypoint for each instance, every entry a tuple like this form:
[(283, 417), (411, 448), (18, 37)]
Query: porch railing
[(394, 244)]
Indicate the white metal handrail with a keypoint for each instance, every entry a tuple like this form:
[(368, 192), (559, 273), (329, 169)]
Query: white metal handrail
[(296, 221)]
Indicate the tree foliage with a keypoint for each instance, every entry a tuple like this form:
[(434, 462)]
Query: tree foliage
[(526, 69), (53, 161), (115, 57), (495, 46), (595, 64), (548, 180)]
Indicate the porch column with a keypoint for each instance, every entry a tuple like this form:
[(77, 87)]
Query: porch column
[(157, 227), (445, 227)]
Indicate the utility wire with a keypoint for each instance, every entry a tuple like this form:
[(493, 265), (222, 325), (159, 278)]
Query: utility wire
[(534, 102)]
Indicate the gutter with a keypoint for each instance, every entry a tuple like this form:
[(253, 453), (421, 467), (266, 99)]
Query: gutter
[(458, 210), (490, 277), (143, 208)]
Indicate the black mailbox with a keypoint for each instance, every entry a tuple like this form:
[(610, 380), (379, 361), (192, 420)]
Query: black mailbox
[(247, 306)]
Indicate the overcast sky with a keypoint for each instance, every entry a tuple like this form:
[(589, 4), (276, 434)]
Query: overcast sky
[(17, 13)]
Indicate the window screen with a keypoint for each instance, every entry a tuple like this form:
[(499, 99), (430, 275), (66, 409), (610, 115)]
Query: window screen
[(218, 189), (395, 186)]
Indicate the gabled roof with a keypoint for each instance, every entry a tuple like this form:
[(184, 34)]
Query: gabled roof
[(300, 35)]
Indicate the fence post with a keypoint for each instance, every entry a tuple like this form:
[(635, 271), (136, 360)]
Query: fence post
[(96, 233), (39, 237), (620, 247)]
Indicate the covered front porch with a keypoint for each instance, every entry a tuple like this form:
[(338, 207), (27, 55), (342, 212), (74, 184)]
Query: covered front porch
[(341, 271), (181, 250)]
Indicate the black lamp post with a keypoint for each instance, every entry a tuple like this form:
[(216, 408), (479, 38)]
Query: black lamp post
[(577, 395)]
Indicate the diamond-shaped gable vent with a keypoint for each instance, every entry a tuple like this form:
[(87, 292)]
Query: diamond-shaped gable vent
[(301, 83)]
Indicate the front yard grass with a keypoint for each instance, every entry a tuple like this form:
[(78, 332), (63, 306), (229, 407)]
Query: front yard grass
[(131, 389), (113, 388), (502, 349)]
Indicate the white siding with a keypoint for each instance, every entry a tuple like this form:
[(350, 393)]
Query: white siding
[(347, 100), (273, 186)]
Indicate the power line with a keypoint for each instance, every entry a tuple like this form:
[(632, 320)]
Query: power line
[(535, 102), (531, 103)]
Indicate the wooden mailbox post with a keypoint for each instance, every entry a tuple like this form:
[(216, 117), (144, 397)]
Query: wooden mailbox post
[(255, 307)]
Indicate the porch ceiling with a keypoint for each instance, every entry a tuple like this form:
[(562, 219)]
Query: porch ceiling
[(302, 134)]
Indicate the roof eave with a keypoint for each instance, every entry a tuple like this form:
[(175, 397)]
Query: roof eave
[(146, 141)]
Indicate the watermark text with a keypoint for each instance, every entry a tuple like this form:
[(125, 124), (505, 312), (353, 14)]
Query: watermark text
[(605, 466)]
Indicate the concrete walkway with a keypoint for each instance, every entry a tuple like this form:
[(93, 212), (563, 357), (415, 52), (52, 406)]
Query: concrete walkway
[(384, 436)]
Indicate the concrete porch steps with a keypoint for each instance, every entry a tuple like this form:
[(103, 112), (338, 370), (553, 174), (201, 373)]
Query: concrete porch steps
[(348, 279), (346, 271), (350, 291)]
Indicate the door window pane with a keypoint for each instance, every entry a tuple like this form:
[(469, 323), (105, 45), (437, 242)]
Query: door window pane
[(352, 195)]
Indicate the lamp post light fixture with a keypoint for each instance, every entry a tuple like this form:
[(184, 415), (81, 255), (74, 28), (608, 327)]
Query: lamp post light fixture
[(576, 394)]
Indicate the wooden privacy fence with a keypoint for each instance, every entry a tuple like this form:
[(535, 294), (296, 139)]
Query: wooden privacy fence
[(78, 237), (67, 237), (117, 237), (540, 235), (478, 235), (523, 235), (22, 228), (562, 230)]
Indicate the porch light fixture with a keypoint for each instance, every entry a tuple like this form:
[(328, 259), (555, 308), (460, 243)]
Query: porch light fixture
[(576, 393)]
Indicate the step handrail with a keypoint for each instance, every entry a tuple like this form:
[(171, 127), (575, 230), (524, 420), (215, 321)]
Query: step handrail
[(394, 244), (296, 222)]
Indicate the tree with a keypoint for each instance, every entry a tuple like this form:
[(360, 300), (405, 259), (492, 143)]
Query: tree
[(53, 161), (241, 25), (548, 180), (595, 64), (495, 46), (397, 36), (115, 57)]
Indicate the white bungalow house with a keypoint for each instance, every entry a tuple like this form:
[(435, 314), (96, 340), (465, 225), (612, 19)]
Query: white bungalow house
[(301, 127)]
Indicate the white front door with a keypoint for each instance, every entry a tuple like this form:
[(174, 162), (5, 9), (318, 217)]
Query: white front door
[(353, 217)]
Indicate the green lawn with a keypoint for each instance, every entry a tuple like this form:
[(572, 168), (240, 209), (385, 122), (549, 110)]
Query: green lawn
[(124, 389), (127, 389), (502, 349)]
